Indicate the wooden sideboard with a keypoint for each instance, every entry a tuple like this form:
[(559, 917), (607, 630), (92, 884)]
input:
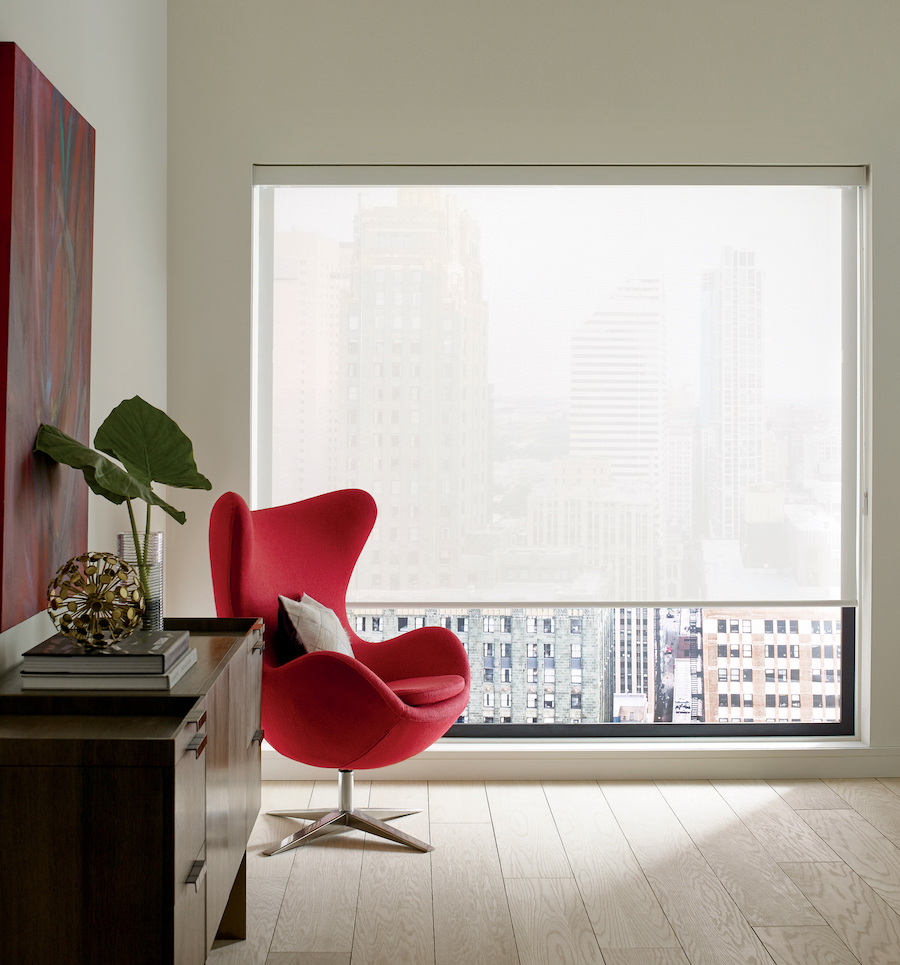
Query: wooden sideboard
[(124, 815)]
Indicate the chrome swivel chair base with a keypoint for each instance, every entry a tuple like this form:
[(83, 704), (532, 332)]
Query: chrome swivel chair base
[(346, 818)]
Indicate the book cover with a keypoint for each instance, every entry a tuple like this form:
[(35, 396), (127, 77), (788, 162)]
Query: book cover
[(147, 651), (112, 681)]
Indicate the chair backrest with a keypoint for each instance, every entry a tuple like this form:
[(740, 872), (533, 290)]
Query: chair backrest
[(306, 547)]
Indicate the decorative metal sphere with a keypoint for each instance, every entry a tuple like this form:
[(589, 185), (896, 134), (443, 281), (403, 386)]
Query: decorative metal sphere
[(96, 599)]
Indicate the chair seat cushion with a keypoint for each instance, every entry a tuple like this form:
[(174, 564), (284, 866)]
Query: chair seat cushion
[(417, 691)]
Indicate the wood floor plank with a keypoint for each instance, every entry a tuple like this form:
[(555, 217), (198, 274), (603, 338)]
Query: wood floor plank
[(644, 956), (892, 783), (527, 840), (550, 923), (458, 802), (762, 891), (860, 917), (702, 914), (806, 945), (264, 898), (863, 848), (268, 829), (308, 958), (472, 925), (807, 795), (773, 822), (395, 916), (619, 901), (875, 801), (319, 909)]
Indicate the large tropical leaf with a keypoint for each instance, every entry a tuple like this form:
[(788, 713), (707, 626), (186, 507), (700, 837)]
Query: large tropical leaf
[(150, 445), (102, 475)]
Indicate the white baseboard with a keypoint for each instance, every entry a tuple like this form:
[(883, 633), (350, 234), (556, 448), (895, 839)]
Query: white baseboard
[(460, 760)]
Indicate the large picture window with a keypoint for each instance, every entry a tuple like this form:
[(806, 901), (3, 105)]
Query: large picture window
[(609, 417)]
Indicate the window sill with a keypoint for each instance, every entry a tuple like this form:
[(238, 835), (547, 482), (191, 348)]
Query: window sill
[(456, 759)]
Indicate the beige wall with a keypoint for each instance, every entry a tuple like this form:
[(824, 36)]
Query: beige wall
[(108, 59), (495, 81)]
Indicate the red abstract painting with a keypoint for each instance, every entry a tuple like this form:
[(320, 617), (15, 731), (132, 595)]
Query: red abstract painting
[(46, 248)]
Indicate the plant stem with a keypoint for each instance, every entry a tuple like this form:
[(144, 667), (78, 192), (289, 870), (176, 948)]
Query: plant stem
[(147, 538), (143, 571)]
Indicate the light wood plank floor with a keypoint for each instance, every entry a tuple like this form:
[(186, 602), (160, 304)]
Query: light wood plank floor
[(585, 873)]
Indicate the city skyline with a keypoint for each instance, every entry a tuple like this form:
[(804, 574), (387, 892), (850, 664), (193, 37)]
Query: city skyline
[(497, 489)]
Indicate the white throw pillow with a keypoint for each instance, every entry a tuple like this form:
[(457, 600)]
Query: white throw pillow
[(318, 628)]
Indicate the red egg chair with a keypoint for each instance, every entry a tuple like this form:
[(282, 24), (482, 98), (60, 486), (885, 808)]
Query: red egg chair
[(384, 704)]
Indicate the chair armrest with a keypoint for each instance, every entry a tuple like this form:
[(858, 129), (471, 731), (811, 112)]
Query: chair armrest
[(424, 652)]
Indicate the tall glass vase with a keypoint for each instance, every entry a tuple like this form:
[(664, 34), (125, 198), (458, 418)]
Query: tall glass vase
[(153, 604)]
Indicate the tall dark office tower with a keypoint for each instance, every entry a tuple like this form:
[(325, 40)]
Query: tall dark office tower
[(415, 399)]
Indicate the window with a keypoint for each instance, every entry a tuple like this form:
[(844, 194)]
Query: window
[(604, 392)]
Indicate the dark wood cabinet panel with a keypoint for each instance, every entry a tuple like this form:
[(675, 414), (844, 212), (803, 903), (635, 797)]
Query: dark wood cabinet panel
[(112, 802)]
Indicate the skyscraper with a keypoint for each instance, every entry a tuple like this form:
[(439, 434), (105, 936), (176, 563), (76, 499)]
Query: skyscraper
[(415, 407), (618, 423), (618, 396), (311, 278), (733, 392)]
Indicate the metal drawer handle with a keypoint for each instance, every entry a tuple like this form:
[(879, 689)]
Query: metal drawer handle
[(259, 646), (196, 874), (258, 736), (197, 744)]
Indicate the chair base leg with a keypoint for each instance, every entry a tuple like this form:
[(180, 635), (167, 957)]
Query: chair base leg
[(313, 814), (345, 817), (334, 821)]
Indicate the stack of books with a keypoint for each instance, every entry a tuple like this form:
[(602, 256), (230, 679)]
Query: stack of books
[(145, 660)]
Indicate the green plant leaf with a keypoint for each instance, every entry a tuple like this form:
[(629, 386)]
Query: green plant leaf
[(102, 475), (150, 445)]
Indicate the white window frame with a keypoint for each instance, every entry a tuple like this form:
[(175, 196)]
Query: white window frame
[(856, 430)]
